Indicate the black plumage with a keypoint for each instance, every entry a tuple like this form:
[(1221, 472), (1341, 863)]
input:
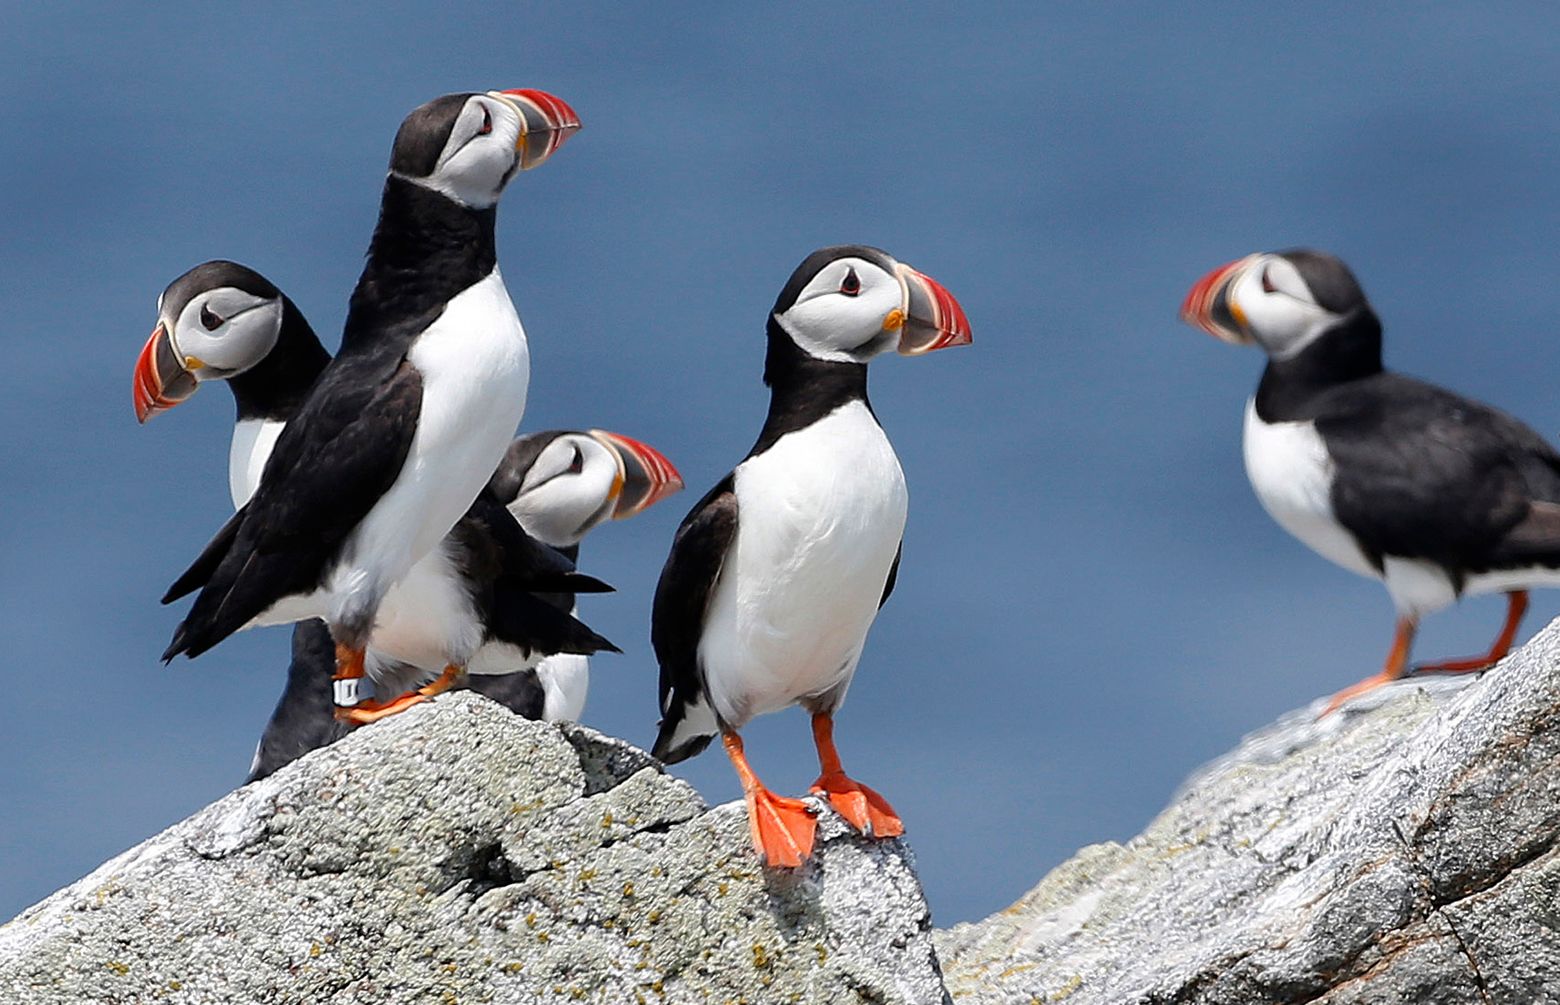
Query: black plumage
[(682, 595), (1432, 492), (1419, 472), (304, 718), (351, 436), (803, 390)]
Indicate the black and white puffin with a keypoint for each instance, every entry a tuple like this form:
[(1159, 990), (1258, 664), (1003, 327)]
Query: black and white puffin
[(776, 575), (558, 484), (1390, 477), (400, 433)]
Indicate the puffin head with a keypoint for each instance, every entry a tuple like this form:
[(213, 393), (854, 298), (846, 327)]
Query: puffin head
[(849, 303), (562, 483), (468, 146), (214, 322), (1282, 301)]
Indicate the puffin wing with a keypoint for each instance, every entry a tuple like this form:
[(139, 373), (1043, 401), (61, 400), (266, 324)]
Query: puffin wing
[(491, 529), (329, 467), (1421, 472), (682, 600), (893, 574), (517, 578)]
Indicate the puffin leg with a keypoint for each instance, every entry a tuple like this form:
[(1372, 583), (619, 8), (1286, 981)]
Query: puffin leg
[(1397, 663), (863, 808), (781, 828), (1516, 607), (347, 683), (372, 711)]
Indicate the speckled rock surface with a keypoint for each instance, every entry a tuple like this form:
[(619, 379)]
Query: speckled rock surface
[(1402, 851), (458, 853)]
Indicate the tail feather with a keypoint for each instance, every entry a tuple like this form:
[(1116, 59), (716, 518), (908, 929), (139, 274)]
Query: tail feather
[(686, 729), (523, 619), (1534, 540), (205, 565), (244, 584)]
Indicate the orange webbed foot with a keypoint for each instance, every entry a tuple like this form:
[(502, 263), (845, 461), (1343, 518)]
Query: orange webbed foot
[(861, 806), (366, 712), (782, 828)]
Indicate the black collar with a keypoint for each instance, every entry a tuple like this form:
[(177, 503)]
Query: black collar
[(803, 388), (426, 250), (1348, 352)]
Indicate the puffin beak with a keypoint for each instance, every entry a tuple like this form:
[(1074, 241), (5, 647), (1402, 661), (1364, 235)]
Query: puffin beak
[(545, 122), (161, 381), (929, 318), (1208, 305), (645, 476)]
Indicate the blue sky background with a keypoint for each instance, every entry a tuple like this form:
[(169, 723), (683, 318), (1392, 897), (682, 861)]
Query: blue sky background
[(1091, 603)]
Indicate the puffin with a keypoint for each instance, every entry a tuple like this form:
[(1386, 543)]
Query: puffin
[(1434, 494), (775, 576), (399, 434), (558, 484)]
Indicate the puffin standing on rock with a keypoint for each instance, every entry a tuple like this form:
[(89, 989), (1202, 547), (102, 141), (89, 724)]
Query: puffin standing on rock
[(776, 575), (558, 484), (1434, 494), (399, 433)]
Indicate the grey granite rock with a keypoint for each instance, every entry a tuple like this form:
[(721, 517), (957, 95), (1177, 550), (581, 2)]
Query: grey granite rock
[(458, 853), (1402, 851)]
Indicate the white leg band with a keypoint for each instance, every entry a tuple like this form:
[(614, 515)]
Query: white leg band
[(349, 691)]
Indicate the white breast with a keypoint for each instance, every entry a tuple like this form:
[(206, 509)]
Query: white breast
[(475, 369), (1292, 474), (565, 678), (426, 619), (820, 516), (250, 449)]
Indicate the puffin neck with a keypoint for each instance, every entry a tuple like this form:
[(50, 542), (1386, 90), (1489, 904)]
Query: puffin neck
[(803, 388), (275, 387), (1349, 352), (426, 250)]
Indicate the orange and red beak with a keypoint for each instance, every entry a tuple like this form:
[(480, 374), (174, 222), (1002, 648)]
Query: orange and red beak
[(1208, 305), (931, 319), (645, 476), (161, 381), (546, 122)]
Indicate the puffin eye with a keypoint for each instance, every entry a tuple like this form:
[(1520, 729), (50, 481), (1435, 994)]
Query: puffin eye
[(578, 464), (487, 122), (1267, 282), (208, 320), (851, 284)]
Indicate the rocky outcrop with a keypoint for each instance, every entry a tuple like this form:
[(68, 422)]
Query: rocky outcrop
[(1403, 851), (459, 853)]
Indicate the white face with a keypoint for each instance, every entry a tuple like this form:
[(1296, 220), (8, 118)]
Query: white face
[(1278, 308), (224, 331), (568, 490), (480, 156), (841, 315)]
